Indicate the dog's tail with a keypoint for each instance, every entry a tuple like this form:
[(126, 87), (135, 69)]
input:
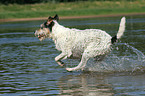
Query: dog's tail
[(120, 31)]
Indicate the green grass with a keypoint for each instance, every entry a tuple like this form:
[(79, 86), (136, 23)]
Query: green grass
[(71, 9)]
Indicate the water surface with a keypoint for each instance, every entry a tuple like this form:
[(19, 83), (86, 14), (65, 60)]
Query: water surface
[(27, 66)]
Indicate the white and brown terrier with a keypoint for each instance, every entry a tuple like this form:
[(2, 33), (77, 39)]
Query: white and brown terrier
[(75, 43)]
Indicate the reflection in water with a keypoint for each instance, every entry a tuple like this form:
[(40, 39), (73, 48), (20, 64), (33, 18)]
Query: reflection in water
[(102, 84), (85, 85)]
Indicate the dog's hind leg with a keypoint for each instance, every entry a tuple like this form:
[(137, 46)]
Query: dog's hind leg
[(81, 64), (59, 58)]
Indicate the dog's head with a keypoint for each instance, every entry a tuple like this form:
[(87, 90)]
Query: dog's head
[(42, 33), (45, 29)]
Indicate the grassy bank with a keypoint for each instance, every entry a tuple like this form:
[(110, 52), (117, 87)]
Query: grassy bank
[(71, 9)]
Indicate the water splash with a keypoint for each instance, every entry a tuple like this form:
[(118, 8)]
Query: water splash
[(123, 57)]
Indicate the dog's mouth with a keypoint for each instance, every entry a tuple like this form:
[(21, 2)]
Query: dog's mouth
[(40, 36)]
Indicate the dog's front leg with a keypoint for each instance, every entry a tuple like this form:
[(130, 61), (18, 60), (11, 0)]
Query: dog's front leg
[(59, 58)]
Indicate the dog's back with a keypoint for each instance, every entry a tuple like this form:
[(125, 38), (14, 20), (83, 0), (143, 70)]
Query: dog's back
[(78, 40)]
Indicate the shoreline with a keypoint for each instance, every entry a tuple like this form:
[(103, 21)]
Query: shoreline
[(70, 17)]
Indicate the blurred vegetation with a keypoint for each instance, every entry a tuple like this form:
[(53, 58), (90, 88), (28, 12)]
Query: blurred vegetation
[(64, 8), (45, 1)]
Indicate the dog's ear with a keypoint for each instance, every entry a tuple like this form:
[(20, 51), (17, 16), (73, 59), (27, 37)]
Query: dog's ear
[(56, 17), (50, 18)]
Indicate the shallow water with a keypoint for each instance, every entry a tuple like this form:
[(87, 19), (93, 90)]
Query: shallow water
[(27, 66)]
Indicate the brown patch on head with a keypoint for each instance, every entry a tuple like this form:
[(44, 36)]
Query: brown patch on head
[(53, 18), (49, 23), (49, 20)]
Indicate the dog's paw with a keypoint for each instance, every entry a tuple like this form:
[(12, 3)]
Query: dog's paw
[(62, 65), (69, 69)]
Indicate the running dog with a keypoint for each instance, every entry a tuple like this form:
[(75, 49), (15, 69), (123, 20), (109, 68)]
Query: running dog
[(75, 43)]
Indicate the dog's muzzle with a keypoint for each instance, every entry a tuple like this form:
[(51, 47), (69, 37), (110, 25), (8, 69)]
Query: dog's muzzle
[(42, 33), (39, 36)]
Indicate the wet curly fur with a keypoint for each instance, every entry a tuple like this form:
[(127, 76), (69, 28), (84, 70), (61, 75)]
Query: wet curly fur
[(75, 43)]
